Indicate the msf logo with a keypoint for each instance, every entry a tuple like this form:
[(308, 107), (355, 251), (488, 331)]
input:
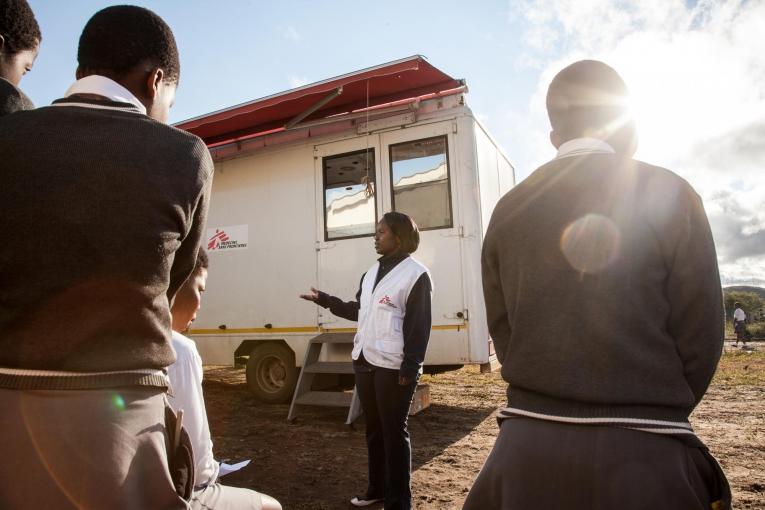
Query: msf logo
[(219, 237), (386, 301)]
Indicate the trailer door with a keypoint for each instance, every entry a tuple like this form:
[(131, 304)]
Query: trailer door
[(419, 178), (348, 208)]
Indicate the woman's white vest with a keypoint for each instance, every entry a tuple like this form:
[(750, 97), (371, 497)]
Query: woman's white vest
[(381, 313)]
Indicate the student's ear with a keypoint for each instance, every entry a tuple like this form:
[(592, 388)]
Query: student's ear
[(153, 81)]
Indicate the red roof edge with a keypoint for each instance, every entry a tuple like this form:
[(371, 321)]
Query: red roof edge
[(394, 81)]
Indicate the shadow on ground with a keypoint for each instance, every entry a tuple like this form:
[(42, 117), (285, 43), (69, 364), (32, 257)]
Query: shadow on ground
[(317, 462)]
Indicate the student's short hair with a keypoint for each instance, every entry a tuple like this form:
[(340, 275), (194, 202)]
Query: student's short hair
[(737, 304), (121, 37), (586, 95), (405, 229), (18, 26), (203, 261)]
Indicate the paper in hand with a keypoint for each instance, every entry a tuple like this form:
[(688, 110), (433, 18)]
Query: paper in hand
[(230, 468)]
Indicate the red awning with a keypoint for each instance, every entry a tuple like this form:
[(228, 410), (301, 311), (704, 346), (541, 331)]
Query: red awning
[(402, 79)]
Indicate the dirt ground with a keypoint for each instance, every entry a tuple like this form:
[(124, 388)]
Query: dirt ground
[(319, 463)]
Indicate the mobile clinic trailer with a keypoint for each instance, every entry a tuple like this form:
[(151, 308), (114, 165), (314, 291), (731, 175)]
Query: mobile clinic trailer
[(301, 178)]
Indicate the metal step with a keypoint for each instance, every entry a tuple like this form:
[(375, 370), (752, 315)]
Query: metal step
[(329, 367), (304, 395), (333, 338), (325, 398)]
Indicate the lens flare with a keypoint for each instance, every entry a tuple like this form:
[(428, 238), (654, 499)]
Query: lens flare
[(591, 243), (119, 402)]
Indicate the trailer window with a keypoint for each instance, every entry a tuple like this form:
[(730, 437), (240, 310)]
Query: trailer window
[(420, 177), (349, 195)]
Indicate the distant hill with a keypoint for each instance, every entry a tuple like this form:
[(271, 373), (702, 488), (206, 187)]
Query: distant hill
[(746, 288)]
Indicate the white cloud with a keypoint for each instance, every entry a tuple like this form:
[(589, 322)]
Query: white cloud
[(697, 77)]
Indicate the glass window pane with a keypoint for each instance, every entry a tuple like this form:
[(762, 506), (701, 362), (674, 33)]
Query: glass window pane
[(349, 195), (420, 175)]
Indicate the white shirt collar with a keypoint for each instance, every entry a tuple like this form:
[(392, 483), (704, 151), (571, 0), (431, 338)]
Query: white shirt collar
[(106, 87), (580, 146)]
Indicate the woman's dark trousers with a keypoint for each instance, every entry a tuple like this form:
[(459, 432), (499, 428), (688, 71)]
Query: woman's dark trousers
[(386, 408)]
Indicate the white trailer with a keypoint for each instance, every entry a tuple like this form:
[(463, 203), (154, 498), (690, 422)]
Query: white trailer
[(301, 178)]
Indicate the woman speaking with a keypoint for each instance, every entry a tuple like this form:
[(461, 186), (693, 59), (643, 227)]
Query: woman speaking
[(392, 308)]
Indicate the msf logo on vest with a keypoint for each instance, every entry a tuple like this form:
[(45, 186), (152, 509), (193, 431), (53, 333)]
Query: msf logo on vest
[(386, 301)]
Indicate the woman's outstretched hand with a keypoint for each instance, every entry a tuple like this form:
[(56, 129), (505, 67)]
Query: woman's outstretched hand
[(312, 296)]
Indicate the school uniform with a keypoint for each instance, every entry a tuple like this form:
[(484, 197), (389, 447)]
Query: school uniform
[(187, 395), (393, 310), (12, 99), (600, 393), (106, 210)]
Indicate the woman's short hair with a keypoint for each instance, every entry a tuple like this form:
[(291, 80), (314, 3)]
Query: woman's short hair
[(405, 229)]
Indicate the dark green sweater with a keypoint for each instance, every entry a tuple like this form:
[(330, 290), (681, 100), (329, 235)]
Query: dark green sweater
[(103, 212), (12, 99), (621, 315)]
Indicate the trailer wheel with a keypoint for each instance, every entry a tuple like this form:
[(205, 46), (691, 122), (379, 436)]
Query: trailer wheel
[(271, 373)]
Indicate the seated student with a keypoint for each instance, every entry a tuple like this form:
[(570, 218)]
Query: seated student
[(186, 394), (19, 44)]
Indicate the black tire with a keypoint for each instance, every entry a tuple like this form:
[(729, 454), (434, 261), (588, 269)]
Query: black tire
[(271, 373)]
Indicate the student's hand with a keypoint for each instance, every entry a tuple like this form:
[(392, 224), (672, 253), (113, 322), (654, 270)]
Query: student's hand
[(403, 380), (312, 296)]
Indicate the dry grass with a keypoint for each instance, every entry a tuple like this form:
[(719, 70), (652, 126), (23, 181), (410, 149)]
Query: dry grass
[(736, 368), (741, 368), (317, 462)]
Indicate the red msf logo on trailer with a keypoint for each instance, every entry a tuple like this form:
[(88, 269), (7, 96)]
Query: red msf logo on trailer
[(219, 237), (227, 237)]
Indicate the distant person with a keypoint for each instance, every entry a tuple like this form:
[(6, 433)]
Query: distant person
[(599, 395), (392, 308), (19, 44), (739, 324), (106, 206), (186, 385)]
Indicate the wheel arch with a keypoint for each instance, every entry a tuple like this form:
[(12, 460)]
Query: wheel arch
[(242, 353)]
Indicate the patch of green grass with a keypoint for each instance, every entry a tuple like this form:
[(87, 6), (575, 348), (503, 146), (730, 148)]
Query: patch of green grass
[(739, 368)]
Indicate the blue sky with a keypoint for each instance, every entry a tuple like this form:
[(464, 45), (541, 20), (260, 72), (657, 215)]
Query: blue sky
[(696, 71), (243, 50)]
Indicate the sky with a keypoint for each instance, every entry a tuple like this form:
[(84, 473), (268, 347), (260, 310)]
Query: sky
[(695, 69)]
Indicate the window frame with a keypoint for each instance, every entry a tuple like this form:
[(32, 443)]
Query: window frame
[(324, 192), (445, 137)]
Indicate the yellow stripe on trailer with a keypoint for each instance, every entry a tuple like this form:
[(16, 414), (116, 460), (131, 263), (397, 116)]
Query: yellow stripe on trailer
[(304, 329)]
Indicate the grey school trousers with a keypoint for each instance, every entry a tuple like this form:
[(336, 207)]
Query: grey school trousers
[(85, 449), (547, 465), (222, 497)]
